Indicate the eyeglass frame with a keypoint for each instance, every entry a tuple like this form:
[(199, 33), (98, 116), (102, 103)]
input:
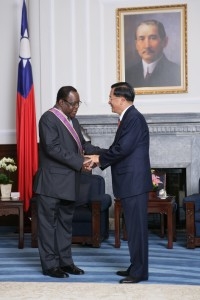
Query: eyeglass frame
[(75, 104)]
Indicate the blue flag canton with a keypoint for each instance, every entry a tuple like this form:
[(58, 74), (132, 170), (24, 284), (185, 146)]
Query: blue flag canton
[(25, 78)]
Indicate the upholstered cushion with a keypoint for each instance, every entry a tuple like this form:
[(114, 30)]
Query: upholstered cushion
[(105, 201), (194, 198), (84, 194)]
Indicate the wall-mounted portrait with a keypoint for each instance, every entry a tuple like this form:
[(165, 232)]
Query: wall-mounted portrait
[(152, 48)]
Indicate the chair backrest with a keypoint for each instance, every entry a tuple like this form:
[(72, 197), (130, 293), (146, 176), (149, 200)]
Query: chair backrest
[(97, 183), (91, 187)]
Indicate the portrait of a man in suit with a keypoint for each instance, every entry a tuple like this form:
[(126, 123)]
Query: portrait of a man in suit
[(152, 48), (153, 69)]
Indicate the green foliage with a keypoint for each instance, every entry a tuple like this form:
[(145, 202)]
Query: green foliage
[(4, 179)]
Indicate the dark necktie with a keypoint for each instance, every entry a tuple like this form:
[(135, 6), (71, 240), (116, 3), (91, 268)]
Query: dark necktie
[(148, 75)]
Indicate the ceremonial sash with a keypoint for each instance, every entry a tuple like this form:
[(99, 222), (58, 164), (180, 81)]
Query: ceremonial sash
[(67, 124)]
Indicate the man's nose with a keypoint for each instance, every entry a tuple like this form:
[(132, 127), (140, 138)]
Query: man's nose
[(146, 42)]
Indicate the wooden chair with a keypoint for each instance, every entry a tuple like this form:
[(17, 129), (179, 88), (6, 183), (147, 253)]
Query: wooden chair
[(192, 213), (91, 218)]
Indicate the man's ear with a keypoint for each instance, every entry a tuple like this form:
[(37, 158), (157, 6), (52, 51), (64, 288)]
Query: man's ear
[(60, 102)]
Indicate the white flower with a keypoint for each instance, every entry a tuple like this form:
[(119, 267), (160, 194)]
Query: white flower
[(7, 165)]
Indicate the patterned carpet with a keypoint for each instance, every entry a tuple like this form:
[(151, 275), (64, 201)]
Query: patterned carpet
[(166, 266)]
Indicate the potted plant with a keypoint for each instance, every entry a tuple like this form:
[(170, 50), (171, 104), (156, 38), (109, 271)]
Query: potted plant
[(155, 180), (7, 166), (155, 184)]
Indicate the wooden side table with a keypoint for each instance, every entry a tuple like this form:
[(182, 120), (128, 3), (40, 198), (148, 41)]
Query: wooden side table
[(155, 205), (165, 207), (14, 207)]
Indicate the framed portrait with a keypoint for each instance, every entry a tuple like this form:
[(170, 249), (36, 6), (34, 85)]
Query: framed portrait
[(152, 48)]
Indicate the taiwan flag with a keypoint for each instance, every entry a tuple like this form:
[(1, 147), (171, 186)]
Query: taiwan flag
[(26, 132)]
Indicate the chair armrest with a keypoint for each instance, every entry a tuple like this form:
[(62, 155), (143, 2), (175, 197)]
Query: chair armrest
[(190, 198), (194, 198), (104, 200)]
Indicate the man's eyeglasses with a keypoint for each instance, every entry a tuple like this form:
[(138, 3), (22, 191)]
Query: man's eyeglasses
[(73, 104)]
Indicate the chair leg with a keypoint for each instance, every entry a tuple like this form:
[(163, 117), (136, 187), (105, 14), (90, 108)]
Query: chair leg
[(117, 214), (96, 224), (174, 226), (162, 225)]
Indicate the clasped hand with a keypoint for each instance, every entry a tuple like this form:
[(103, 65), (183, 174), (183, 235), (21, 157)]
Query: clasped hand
[(90, 162)]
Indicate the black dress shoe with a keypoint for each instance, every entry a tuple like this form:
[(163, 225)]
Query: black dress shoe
[(130, 279), (123, 273), (55, 272), (72, 269)]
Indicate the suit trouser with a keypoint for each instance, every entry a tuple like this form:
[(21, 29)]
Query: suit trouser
[(135, 215), (54, 231)]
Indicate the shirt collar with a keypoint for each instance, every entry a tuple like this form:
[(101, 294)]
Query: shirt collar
[(122, 114), (149, 67)]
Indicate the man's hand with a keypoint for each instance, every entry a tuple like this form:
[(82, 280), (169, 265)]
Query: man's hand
[(91, 162), (86, 163)]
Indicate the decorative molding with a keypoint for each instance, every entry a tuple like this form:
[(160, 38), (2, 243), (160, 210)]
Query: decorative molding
[(98, 130), (153, 129), (173, 129), (158, 124)]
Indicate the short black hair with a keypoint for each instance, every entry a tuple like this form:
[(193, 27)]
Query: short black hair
[(64, 91), (124, 89)]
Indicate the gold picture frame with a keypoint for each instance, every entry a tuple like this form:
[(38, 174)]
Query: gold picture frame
[(171, 75)]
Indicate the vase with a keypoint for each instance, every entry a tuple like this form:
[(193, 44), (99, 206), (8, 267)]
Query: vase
[(6, 190)]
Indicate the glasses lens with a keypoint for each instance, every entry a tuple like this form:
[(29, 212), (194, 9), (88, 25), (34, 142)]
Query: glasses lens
[(75, 104)]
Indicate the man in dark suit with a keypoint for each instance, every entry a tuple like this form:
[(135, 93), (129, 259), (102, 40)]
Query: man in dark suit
[(57, 182), (128, 157), (154, 70)]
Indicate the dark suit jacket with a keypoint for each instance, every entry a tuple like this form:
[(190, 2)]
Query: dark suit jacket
[(166, 73), (128, 156), (60, 160)]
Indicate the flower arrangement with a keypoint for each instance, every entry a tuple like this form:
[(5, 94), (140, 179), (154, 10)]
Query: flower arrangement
[(7, 166), (155, 180)]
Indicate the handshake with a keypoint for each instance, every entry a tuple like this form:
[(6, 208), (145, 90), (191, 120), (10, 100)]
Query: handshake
[(90, 162)]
